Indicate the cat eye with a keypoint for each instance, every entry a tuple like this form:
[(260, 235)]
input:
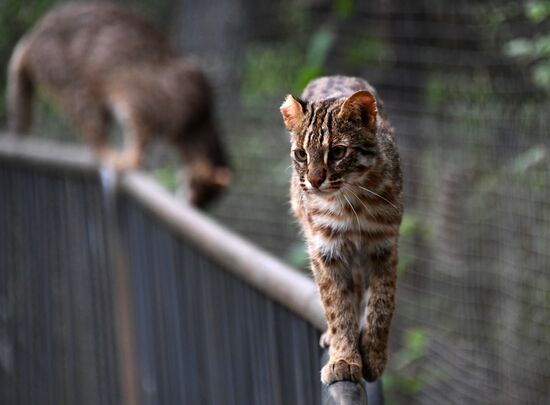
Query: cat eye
[(338, 152), (300, 155)]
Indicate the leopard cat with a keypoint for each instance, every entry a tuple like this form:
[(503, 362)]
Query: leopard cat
[(101, 63), (346, 194)]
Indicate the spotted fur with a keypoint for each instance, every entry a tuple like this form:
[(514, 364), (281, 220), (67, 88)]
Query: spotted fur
[(100, 62), (346, 193)]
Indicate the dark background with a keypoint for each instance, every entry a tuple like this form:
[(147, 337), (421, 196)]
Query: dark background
[(466, 86)]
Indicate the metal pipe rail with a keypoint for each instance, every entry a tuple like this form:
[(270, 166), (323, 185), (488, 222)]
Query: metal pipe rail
[(263, 271), (270, 277)]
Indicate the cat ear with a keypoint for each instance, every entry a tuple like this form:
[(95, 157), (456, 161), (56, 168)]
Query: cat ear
[(361, 107), (292, 111)]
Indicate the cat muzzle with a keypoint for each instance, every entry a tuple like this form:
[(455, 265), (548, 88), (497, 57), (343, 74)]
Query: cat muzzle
[(316, 177)]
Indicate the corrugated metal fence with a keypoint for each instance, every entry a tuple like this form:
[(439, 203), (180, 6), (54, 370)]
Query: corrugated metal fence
[(204, 333)]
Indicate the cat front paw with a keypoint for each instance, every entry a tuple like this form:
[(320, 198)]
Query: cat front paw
[(340, 370), (324, 341)]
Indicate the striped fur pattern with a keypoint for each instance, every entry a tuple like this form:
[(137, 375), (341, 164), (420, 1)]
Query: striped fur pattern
[(102, 63), (346, 193)]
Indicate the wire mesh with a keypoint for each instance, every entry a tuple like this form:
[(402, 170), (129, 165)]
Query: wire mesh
[(466, 87)]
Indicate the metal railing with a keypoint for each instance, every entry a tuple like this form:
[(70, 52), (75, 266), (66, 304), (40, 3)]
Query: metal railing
[(175, 309)]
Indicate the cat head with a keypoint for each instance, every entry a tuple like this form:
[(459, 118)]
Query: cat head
[(333, 141), (203, 153), (206, 182)]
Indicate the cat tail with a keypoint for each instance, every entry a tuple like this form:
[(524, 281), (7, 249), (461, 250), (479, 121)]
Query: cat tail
[(19, 91)]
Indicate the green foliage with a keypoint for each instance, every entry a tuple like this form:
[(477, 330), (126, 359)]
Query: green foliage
[(435, 90), (541, 75), (468, 98), (412, 231), (367, 50), (290, 63), (446, 90), (414, 347), (531, 48), (267, 70), (529, 159), (538, 11), (407, 230), (408, 225), (298, 256), (167, 176), (494, 16), (320, 44), (344, 8), (404, 373), (534, 52)]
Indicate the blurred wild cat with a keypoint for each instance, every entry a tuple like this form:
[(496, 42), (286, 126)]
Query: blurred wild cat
[(346, 193), (101, 62)]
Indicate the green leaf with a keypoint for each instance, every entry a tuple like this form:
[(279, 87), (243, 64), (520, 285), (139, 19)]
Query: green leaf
[(167, 177), (408, 225), (367, 50), (414, 348), (529, 159), (344, 8), (267, 69), (412, 384), (321, 41), (542, 46), (297, 256), (415, 340), (541, 75), (401, 269), (520, 47), (538, 11), (307, 74)]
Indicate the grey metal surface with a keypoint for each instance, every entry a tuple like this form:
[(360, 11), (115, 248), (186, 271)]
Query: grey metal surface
[(263, 271), (207, 336), (247, 261), (203, 335), (123, 297), (344, 393), (56, 324), (375, 393)]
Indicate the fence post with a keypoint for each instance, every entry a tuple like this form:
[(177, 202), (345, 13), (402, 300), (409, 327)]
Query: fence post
[(125, 330)]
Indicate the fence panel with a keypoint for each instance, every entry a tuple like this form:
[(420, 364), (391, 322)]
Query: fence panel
[(203, 334)]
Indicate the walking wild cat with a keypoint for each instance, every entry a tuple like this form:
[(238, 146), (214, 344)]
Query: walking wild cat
[(101, 62), (346, 193)]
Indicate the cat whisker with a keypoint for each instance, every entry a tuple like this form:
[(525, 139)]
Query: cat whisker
[(378, 195), (361, 201), (353, 209)]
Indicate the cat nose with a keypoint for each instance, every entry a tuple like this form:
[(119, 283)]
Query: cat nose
[(316, 177)]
